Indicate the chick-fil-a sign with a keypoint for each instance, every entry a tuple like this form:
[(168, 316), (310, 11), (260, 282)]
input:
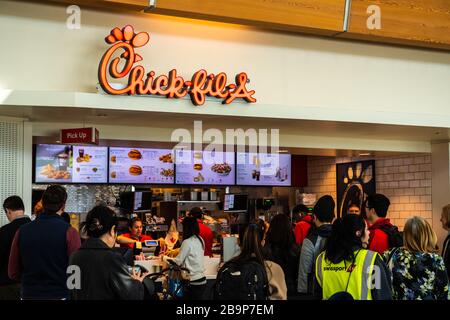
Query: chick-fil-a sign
[(172, 85)]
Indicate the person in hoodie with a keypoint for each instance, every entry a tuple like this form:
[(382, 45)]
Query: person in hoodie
[(303, 225), (323, 215), (376, 210)]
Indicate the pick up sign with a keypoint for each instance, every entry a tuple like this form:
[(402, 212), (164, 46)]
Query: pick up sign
[(79, 136)]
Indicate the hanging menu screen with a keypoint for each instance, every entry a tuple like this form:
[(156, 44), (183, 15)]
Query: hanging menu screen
[(205, 167), (141, 165), (263, 169), (55, 163)]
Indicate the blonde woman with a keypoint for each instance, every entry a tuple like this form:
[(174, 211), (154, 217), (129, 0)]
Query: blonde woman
[(445, 219), (418, 272)]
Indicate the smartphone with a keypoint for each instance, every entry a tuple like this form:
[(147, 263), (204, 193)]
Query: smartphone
[(137, 269)]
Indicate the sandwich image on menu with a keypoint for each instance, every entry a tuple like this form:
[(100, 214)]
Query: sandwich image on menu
[(141, 165)]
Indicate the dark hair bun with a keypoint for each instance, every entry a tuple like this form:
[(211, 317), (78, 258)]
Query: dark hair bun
[(95, 225), (99, 221)]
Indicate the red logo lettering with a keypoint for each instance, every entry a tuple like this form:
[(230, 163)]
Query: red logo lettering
[(171, 86)]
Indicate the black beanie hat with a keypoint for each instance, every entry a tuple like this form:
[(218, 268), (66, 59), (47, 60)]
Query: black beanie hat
[(324, 209)]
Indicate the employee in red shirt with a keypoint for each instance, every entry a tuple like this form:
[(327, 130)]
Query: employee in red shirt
[(377, 206), (128, 240), (205, 232), (304, 224)]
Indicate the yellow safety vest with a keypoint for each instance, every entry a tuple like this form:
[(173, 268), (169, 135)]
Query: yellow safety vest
[(333, 278)]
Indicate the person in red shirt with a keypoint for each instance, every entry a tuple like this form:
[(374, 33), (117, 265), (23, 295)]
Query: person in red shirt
[(205, 232), (377, 206), (128, 240), (304, 224)]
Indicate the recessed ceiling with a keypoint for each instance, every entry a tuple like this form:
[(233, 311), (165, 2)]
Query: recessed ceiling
[(286, 126), (170, 120)]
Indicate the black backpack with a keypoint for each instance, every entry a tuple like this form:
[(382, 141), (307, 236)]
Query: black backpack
[(395, 236), (242, 281)]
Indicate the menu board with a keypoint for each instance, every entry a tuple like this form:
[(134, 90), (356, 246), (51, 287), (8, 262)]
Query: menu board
[(263, 169), (205, 167), (140, 165), (57, 163)]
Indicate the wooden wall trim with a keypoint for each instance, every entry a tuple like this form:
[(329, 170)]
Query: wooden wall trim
[(417, 23)]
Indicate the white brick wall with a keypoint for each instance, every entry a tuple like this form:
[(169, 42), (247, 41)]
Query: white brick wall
[(405, 180)]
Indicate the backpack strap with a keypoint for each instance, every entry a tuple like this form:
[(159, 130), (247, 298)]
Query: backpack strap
[(266, 278), (319, 271), (392, 255), (351, 271)]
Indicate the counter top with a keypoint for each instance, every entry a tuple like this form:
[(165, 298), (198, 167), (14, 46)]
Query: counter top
[(155, 265)]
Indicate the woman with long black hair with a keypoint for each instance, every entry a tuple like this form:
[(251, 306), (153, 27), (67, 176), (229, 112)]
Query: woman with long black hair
[(191, 257), (233, 283), (346, 269), (281, 248)]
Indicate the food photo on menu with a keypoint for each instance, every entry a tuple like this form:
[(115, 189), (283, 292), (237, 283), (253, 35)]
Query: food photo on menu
[(263, 169), (65, 164), (53, 163), (205, 167), (141, 165), (90, 164)]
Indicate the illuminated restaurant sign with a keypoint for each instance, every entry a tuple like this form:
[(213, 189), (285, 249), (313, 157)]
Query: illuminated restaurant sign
[(172, 85)]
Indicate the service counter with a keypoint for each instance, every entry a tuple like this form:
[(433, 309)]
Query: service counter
[(156, 265)]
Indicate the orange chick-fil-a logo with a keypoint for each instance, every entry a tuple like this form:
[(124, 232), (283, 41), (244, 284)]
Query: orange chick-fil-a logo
[(201, 85)]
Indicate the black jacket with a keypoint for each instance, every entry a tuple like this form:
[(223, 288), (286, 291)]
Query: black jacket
[(446, 254), (7, 233), (104, 274)]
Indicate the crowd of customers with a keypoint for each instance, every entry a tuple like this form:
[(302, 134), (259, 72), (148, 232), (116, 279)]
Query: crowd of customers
[(311, 255)]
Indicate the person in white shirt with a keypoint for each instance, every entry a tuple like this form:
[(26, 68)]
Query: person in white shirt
[(191, 257)]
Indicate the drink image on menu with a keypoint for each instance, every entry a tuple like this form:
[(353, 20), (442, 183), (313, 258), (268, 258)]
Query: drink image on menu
[(53, 163), (90, 165), (263, 169)]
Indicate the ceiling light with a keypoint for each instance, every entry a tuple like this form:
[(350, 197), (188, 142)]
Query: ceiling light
[(364, 154)]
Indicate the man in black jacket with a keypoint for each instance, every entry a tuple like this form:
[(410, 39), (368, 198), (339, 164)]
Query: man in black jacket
[(15, 212)]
